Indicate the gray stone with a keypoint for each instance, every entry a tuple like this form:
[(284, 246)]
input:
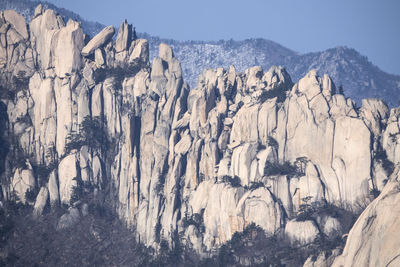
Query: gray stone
[(53, 189), (140, 51), (68, 219), (373, 240), (301, 232), (22, 181), (99, 40), (67, 174), (41, 201), (17, 21), (124, 37), (38, 11)]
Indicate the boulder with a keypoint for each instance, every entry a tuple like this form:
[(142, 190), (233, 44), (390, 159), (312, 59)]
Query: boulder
[(99, 57), (183, 146), (67, 174), (259, 207), (277, 77), (332, 227), (140, 51), (375, 113), (99, 40), (310, 85), (22, 181), (38, 11), (301, 232), (41, 201), (124, 37), (254, 76), (165, 52), (53, 189), (68, 219), (17, 21)]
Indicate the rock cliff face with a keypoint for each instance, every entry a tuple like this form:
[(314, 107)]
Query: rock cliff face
[(373, 241), (201, 164)]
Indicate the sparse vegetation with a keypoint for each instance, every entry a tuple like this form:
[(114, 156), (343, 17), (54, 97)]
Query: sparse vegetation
[(253, 247), (381, 157), (202, 177), (279, 92), (197, 219), (233, 181), (291, 170), (272, 142), (42, 172), (13, 152), (255, 185), (118, 74), (91, 133), (31, 193), (83, 192), (272, 168), (306, 209)]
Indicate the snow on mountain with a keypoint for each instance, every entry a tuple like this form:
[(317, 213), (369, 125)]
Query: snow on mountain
[(345, 65)]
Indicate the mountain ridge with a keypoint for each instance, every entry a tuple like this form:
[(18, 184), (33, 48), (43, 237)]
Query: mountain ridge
[(345, 65), (246, 159)]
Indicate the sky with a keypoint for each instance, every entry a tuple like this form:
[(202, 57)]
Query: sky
[(370, 26)]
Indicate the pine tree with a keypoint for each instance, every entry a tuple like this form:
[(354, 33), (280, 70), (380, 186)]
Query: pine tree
[(134, 33)]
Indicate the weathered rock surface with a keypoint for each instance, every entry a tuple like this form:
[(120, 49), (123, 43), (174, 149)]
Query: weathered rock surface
[(67, 44), (373, 240), (140, 51), (41, 201), (67, 174), (240, 148), (22, 181), (99, 40), (124, 37), (17, 21), (322, 260), (301, 232)]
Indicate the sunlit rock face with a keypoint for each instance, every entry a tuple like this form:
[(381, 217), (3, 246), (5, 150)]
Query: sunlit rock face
[(373, 240), (206, 162)]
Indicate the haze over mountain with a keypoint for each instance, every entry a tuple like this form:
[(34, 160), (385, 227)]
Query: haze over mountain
[(357, 75)]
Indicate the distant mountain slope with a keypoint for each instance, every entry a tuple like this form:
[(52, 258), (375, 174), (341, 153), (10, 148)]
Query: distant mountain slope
[(361, 79), (195, 56)]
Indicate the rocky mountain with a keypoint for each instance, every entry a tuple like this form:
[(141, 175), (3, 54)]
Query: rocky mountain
[(242, 162), (358, 77), (27, 7)]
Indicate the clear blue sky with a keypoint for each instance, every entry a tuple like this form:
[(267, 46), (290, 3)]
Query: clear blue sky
[(370, 26)]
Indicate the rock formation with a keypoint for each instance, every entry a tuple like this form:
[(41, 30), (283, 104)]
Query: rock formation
[(240, 148), (373, 240)]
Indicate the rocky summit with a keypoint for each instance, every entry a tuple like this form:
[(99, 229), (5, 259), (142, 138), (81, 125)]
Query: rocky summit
[(245, 156)]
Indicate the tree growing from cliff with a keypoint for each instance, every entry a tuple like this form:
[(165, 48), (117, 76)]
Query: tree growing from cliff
[(91, 133)]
